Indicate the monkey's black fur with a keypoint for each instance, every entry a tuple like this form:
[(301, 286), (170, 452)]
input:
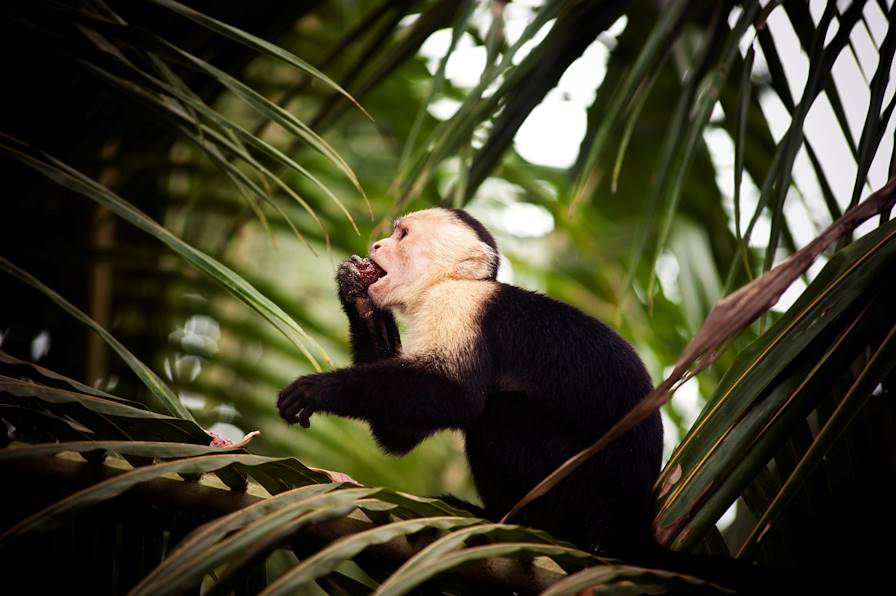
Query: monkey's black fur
[(573, 379), (545, 381)]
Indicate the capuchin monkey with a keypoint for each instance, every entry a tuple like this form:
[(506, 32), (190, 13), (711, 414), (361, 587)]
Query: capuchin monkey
[(530, 381)]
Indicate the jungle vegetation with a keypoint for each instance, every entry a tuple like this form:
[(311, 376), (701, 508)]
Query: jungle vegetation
[(183, 177)]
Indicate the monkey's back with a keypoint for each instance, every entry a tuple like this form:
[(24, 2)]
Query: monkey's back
[(562, 379)]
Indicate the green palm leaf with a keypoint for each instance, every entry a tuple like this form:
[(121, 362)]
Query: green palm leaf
[(152, 381), (236, 285)]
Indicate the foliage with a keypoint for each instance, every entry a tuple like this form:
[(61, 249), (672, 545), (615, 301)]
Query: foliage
[(230, 164)]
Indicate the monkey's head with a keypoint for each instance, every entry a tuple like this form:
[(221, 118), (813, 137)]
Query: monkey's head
[(428, 247)]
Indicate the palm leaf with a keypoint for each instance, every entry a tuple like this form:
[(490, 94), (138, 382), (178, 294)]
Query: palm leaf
[(326, 560), (185, 568), (117, 416), (256, 43), (623, 580), (76, 181), (167, 397), (80, 501)]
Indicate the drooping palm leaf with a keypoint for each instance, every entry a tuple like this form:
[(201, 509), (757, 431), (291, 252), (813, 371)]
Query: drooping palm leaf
[(749, 417), (74, 180), (167, 398), (246, 536)]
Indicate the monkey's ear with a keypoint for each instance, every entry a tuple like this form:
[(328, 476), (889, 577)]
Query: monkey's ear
[(478, 264)]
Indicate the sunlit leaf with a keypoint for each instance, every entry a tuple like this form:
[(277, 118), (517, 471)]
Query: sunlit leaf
[(256, 43)]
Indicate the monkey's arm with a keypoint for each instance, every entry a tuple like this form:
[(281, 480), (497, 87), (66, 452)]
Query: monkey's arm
[(373, 331), (394, 395), (374, 334)]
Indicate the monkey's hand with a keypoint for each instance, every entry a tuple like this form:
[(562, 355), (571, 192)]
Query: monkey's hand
[(305, 396), (349, 281), (354, 276)]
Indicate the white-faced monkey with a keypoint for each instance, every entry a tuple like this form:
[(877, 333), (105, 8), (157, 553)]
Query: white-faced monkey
[(529, 380)]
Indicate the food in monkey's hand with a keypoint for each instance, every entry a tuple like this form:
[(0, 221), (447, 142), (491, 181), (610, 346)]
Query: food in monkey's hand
[(353, 278), (368, 271)]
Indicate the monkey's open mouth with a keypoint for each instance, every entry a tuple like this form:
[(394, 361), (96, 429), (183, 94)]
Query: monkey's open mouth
[(370, 272)]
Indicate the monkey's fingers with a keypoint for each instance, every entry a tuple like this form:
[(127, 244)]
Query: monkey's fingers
[(304, 417), (290, 403), (348, 281)]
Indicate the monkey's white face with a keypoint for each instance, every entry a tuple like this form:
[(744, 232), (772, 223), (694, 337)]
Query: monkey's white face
[(425, 248)]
